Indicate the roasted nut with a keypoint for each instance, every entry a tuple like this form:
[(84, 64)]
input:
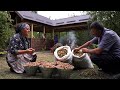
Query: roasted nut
[(78, 53), (57, 64), (62, 52)]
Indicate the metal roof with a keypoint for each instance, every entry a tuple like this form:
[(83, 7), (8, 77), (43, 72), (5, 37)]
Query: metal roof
[(39, 18), (71, 20)]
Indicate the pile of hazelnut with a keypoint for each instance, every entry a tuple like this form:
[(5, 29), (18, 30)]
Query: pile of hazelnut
[(62, 52), (46, 64), (61, 65)]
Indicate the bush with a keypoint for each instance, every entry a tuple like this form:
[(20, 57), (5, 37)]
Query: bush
[(3, 52), (5, 28), (82, 37)]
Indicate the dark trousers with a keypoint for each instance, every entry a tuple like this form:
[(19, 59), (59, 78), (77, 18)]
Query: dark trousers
[(107, 62)]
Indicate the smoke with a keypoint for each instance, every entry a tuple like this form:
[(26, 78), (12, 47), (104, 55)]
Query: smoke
[(71, 39)]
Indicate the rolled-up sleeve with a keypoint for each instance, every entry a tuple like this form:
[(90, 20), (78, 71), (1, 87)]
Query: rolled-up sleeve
[(94, 40), (107, 42)]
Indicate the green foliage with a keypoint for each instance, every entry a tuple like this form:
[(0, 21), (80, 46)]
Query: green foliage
[(3, 52), (49, 36), (63, 38), (5, 28), (82, 36), (110, 19), (36, 34), (93, 46)]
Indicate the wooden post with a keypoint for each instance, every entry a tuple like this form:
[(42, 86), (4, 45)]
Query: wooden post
[(53, 34), (66, 33), (44, 30), (31, 35), (88, 26), (16, 20), (59, 35), (39, 33), (31, 30), (44, 47)]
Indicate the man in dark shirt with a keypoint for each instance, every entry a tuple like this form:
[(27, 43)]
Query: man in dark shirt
[(107, 55)]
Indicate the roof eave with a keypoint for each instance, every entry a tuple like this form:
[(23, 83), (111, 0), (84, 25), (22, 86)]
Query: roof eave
[(19, 15)]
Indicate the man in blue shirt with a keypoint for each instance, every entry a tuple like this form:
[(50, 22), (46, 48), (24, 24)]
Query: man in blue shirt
[(107, 55)]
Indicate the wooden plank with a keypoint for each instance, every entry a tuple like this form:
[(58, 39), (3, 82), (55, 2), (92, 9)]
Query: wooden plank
[(53, 34), (31, 30)]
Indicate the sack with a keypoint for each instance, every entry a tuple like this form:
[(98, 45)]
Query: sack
[(65, 58), (82, 62)]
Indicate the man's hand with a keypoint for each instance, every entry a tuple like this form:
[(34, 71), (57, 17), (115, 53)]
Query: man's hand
[(85, 50), (76, 49)]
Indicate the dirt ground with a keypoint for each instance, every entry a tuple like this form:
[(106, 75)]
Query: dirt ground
[(46, 55)]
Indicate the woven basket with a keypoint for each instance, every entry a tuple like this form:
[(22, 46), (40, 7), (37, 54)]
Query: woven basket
[(64, 74), (46, 72), (31, 71)]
